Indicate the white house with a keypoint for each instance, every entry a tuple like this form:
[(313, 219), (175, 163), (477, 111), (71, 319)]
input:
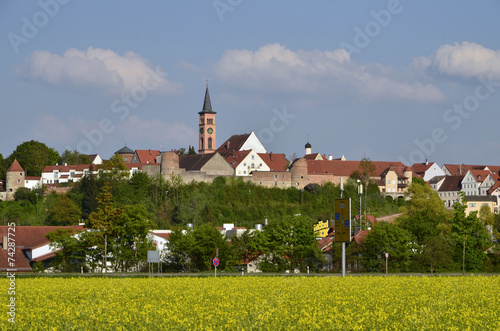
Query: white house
[(472, 180), (427, 170)]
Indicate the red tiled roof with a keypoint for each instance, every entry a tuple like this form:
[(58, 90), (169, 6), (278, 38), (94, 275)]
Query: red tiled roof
[(461, 169), (313, 156), (164, 235), (67, 168), (480, 175), (32, 178), (346, 168), (276, 162), (361, 237), (451, 183), (194, 162), (421, 168), (15, 166), (147, 155), (34, 236), (236, 157), (21, 263), (235, 142), (494, 187)]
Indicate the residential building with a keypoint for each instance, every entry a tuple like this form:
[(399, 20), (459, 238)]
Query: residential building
[(449, 190), (427, 170)]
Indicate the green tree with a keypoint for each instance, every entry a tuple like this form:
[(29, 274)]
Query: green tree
[(388, 238), (64, 212), (89, 188), (130, 242), (180, 251), (191, 150), (74, 157), (115, 169), (471, 237), (425, 215), (437, 252), (289, 243), (104, 220), (33, 156), (3, 167), (70, 254)]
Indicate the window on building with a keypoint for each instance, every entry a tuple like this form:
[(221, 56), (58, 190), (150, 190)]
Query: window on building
[(253, 165), (472, 205), (72, 173), (18, 180), (209, 143), (275, 176), (253, 157)]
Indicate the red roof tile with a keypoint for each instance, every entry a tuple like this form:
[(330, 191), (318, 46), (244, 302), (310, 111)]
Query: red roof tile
[(235, 142), (276, 162), (21, 263), (34, 236), (15, 166), (147, 155)]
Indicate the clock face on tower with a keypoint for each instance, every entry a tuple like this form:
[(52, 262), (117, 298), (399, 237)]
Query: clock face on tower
[(210, 130), (201, 130)]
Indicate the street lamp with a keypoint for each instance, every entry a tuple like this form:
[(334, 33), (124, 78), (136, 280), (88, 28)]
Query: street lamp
[(360, 193), (37, 204)]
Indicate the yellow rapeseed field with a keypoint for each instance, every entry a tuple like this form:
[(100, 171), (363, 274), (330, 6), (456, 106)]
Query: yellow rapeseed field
[(255, 303)]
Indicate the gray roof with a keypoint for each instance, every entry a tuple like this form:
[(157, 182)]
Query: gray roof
[(125, 150), (207, 105)]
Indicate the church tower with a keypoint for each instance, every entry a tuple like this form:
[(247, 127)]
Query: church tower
[(207, 127)]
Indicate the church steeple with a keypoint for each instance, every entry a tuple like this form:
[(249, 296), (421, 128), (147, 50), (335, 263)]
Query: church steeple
[(207, 105), (207, 126)]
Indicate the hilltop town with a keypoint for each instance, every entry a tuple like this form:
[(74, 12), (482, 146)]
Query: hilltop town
[(242, 158)]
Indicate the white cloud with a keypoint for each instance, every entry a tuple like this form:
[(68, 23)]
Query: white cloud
[(274, 67), (465, 60), (98, 68)]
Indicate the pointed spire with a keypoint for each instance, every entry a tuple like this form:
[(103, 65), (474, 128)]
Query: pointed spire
[(207, 105), (15, 166)]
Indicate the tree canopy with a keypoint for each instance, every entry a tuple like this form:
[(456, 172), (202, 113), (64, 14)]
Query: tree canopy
[(33, 156)]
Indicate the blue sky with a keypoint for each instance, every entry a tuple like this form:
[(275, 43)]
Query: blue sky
[(388, 80)]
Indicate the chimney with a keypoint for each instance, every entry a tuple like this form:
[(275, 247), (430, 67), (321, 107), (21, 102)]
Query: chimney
[(4, 243), (330, 157), (426, 162), (271, 156)]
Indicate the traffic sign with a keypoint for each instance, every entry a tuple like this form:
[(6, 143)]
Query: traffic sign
[(216, 261), (343, 220), (386, 255)]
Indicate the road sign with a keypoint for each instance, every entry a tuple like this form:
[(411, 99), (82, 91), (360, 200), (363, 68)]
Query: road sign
[(343, 220), (216, 261), (386, 255)]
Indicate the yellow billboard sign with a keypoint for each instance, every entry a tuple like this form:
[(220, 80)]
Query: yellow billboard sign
[(343, 220)]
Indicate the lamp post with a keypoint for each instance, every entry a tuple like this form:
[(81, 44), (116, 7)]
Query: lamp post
[(360, 193), (37, 205)]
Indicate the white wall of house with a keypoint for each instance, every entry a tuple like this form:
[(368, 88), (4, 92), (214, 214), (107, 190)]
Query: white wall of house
[(33, 184), (250, 163), (40, 251), (433, 171), (470, 186), (486, 185), (253, 143)]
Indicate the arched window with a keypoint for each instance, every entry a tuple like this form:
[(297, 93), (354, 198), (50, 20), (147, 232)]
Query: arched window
[(209, 143), (201, 143)]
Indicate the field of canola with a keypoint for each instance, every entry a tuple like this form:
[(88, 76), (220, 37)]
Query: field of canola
[(255, 303)]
